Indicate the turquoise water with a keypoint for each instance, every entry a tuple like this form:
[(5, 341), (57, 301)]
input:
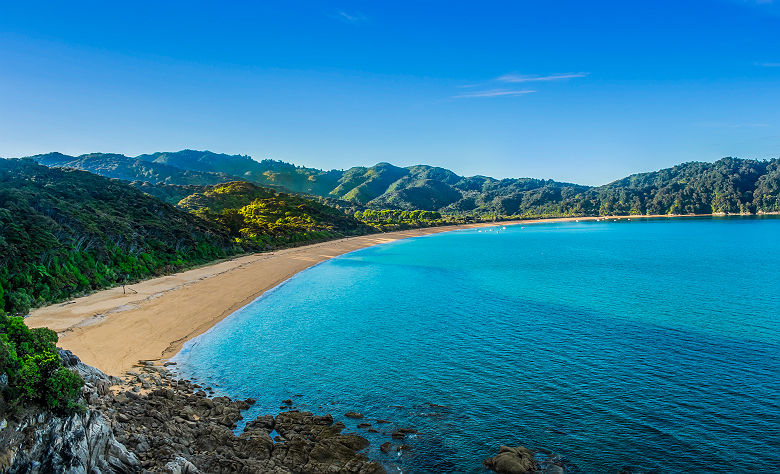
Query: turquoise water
[(650, 344)]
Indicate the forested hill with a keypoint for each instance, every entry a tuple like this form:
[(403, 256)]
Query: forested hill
[(65, 232), (729, 185), (263, 216), (379, 186), (112, 165)]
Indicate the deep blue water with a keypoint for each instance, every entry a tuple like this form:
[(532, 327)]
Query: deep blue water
[(652, 344)]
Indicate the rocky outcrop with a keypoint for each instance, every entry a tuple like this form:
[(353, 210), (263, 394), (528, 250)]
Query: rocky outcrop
[(154, 423), (521, 460), (83, 442), (175, 422), (517, 460)]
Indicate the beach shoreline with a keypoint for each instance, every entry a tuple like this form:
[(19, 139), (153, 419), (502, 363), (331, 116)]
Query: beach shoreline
[(151, 320)]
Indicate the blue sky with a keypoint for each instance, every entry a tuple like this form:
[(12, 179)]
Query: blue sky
[(577, 91)]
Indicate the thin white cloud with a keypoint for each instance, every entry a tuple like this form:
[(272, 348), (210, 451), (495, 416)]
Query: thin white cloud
[(769, 64), (492, 93), (514, 78), (355, 17)]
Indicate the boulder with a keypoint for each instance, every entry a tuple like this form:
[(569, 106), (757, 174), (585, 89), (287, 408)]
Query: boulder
[(518, 460)]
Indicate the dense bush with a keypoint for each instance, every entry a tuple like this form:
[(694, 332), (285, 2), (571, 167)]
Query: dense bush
[(33, 368), (389, 219), (260, 216), (67, 232)]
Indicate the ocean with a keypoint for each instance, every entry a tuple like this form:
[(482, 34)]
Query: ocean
[(652, 345)]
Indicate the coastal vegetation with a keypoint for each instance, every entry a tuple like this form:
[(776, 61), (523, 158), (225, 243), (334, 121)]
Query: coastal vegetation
[(65, 232), (729, 185), (32, 370), (263, 217), (393, 219)]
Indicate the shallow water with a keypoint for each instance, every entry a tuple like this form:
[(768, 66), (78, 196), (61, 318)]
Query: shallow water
[(652, 344)]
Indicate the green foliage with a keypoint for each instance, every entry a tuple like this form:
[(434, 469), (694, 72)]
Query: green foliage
[(729, 185), (66, 232), (266, 218), (388, 219), (122, 167), (30, 361), (62, 389)]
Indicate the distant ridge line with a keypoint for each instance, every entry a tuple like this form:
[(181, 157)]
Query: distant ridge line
[(729, 185)]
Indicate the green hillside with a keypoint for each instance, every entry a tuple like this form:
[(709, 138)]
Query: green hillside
[(112, 165), (730, 185), (66, 232), (262, 216), (270, 173)]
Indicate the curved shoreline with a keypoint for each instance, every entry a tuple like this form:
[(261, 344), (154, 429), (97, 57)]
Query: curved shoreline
[(112, 330)]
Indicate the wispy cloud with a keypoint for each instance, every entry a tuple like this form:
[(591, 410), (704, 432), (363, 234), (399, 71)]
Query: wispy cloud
[(347, 17), (492, 87), (536, 77), (492, 93), (768, 64)]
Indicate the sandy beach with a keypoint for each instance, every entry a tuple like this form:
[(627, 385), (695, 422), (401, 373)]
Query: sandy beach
[(151, 320)]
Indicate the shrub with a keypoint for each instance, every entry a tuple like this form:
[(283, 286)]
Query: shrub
[(29, 359)]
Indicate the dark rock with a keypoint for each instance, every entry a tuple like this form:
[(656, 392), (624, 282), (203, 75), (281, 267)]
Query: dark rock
[(167, 428), (352, 414), (517, 460), (436, 405), (353, 441), (364, 425), (386, 447), (398, 435), (264, 422)]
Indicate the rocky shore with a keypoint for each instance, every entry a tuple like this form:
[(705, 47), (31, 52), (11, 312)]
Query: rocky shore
[(151, 421), (155, 423)]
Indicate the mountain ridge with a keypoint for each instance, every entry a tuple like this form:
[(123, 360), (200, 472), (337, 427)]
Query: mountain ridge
[(729, 185)]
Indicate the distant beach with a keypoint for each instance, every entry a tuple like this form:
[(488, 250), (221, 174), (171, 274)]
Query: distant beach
[(113, 329)]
